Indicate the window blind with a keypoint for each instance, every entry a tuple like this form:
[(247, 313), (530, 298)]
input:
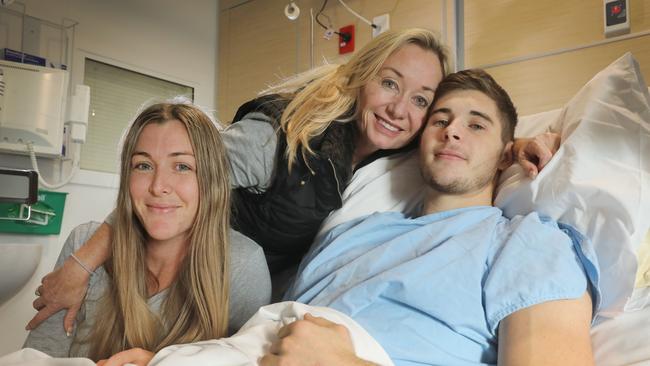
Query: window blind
[(116, 96)]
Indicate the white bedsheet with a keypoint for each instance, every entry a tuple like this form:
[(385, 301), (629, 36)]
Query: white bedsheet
[(624, 340), (255, 337), (244, 348)]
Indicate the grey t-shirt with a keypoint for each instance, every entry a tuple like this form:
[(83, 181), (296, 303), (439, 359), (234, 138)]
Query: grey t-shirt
[(250, 288)]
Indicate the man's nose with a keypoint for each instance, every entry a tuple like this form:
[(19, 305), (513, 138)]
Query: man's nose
[(452, 132)]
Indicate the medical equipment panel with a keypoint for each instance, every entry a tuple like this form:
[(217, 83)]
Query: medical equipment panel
[(32, 108)]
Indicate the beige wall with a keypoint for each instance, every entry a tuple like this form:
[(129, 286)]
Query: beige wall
[(258, 45), (505, 31), (541, 51)]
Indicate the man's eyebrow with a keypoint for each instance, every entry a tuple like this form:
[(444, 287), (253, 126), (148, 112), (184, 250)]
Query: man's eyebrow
[(441, 110), (427, 88), (482, 115), (472, 112)]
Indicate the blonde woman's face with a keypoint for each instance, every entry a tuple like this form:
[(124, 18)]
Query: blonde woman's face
[(163, 183), (394, 104)]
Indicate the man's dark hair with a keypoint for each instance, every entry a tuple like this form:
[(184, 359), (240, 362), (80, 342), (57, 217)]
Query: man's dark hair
[(479, 80)]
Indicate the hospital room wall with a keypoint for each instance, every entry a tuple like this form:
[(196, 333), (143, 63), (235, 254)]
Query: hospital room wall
[(542, 52), (163, 38), (258, 45)]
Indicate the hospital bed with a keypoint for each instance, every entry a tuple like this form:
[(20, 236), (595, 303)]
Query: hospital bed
[(599, 181)]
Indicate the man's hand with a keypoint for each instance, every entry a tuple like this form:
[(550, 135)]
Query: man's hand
[(134, 356), (534, 153), (64, 288), (312, 341)]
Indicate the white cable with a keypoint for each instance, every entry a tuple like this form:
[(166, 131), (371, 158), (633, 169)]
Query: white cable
[(75, 169), (357, 14)]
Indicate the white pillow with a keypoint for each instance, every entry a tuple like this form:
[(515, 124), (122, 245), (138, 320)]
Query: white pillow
[(598, 180), (392, 183)]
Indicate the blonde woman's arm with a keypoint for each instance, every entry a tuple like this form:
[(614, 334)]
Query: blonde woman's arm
[(65, 287), (251, 144), (50, 335), (534, 153)]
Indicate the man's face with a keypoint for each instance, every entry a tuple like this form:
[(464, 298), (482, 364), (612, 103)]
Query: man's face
[(461, 148)]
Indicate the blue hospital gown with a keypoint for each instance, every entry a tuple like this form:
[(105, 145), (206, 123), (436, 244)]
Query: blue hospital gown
[(433, 289)]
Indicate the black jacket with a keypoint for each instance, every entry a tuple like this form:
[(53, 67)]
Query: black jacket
[(285, 218)]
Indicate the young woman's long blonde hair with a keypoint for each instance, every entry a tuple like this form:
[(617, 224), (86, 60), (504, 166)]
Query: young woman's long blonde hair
[(196, 306), (329, 93)]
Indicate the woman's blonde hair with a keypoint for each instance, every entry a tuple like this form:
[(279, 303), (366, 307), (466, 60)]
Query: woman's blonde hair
[(329, 93), (196, 306)]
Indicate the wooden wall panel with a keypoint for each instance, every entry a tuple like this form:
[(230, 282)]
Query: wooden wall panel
[(547, 83), (499, 30), (258, 45)]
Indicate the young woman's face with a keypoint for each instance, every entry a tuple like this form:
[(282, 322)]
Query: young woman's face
[(163, 184), (394, 105)]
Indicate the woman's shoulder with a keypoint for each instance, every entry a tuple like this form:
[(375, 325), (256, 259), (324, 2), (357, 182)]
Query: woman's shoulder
[(250, 285), (82, 232), (243, 249)]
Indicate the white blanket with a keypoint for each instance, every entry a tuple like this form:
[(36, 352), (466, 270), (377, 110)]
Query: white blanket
[(244, 348), (623, 340)]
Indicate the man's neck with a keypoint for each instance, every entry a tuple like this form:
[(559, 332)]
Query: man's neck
[(436, 201)]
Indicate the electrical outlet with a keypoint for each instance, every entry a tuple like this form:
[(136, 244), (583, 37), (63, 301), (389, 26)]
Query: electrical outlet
[(382, 23)]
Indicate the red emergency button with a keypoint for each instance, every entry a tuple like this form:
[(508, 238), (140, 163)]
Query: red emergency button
[(616, 9)]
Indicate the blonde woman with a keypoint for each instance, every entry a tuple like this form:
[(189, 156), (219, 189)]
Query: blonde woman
[(177, 272), (293, 151)]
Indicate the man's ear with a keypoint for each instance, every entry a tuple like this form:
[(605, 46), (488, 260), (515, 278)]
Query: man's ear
[(507, 156)]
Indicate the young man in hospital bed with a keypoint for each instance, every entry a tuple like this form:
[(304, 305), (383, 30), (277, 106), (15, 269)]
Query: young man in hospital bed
[(442, 288)]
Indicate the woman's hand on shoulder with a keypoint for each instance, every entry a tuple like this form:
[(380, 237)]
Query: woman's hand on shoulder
[(534, 153), (134, 356)]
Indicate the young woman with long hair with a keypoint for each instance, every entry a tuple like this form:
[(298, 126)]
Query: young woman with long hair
[(176, 270)]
